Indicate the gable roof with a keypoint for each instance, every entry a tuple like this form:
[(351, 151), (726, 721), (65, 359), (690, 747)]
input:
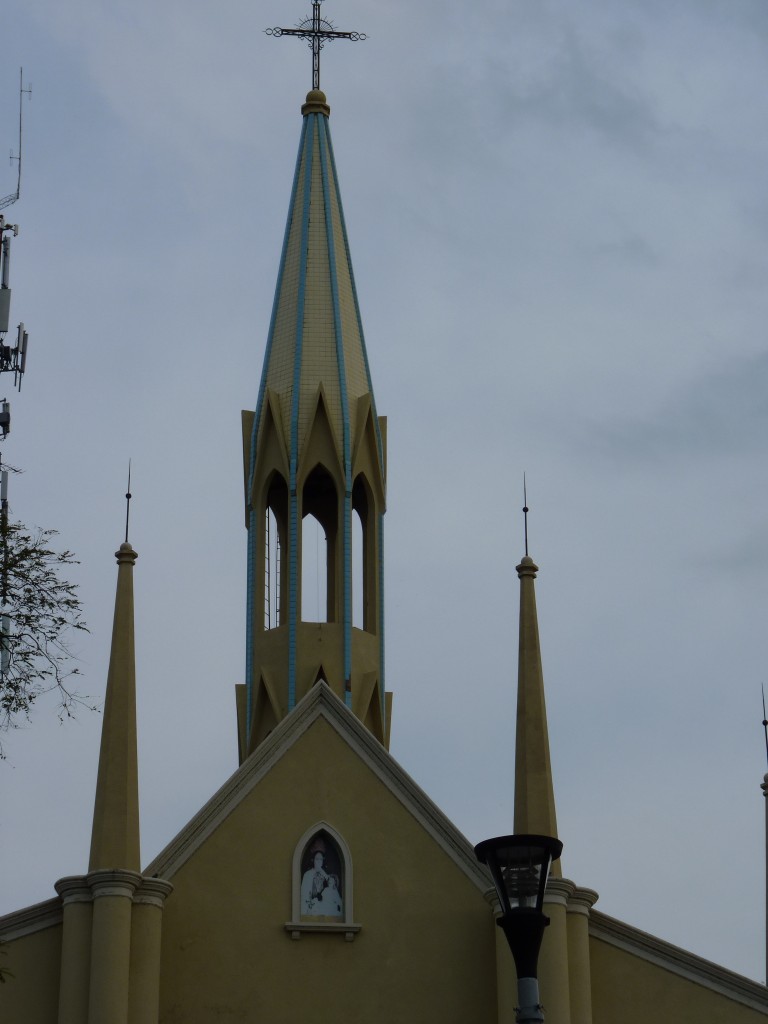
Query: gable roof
[(320, 703)]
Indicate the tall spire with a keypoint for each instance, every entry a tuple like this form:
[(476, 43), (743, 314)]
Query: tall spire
[(115, 835), (534, 792), (314, 448)]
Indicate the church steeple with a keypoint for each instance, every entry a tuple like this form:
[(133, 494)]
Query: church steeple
[(314, 449), (534, 792), (115, 833)]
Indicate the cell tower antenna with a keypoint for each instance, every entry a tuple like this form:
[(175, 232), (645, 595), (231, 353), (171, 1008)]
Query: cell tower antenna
[(9, 200)]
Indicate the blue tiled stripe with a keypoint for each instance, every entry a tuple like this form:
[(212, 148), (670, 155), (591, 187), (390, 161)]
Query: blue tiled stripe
[(325, 150), (254, 527), (311, 122), (357, 304)]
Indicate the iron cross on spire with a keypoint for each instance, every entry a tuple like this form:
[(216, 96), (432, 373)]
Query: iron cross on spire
[(317, 31)]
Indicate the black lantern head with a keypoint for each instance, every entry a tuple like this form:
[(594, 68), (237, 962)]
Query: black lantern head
[(519, 866)]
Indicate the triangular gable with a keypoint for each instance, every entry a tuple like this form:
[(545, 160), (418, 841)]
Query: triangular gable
[(319, 444), (320, 702), (366, 456)]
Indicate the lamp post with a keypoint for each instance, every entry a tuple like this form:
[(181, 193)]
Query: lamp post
[(520, 866)]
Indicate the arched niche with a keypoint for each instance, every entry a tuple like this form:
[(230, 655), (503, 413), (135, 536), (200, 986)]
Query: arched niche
[(321, 884), (319, 500)]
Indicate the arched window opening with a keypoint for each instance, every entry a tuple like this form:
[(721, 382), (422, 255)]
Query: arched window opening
[(314, 571), (275, 516), (318, 547), (363, 557), (272, 559), (358, 565)]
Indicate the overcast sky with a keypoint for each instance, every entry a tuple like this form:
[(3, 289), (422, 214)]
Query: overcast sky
[(558, 217)]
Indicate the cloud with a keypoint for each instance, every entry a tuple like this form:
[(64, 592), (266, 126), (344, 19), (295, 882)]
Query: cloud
[(721, 413)]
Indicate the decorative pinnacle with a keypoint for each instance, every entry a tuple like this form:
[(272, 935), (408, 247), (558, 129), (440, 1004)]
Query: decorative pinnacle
[(525, 515), (128, 501), (317, 31), (765, 723)]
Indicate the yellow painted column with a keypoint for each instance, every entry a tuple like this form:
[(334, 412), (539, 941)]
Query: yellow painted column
[(110, 945), (580, 903), (146, 929), (553, 959), (506, 975), (75, 948)]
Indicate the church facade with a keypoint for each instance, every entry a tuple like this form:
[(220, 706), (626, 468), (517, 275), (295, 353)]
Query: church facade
[(320, 882)]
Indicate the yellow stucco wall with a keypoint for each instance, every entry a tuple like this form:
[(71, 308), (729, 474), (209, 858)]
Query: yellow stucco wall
[(632, 990), (426, 948), (31, 996)]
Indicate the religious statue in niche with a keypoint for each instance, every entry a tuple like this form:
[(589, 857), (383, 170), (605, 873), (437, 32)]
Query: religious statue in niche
[(321, 879)]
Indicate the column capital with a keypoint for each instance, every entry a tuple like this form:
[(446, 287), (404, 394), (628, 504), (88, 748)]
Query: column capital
[(491, 897), (153, 892), (113, 883), (582, 900), (73, 889), (558, 891)]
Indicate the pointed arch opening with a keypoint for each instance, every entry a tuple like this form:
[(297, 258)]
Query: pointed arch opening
[(358, 576), (364, 597), (319, 535), (274, 560)]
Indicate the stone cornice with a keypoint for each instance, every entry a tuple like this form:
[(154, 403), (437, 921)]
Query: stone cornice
[(320, 702), (83, 889), (678, 961), (31, 919)]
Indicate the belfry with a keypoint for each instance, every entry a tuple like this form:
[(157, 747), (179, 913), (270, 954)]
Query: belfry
[(314, 449), (319, 881)]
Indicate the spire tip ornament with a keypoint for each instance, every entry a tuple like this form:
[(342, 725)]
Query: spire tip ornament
[(317, 31), (128, 501)]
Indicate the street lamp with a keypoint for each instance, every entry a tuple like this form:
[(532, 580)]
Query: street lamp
[(519, 866)]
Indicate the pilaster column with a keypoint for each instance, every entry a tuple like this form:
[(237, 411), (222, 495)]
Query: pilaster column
[(111, 944), (506, 975), (580, 903), (553, 959), (75, 948), (146, 929)]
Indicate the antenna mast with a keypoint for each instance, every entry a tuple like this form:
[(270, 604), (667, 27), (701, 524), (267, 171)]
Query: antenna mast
[(13, 358), (10, 199), (764, 787)]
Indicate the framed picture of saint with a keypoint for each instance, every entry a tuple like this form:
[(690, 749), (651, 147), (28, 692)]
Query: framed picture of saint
[(322, 882)]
